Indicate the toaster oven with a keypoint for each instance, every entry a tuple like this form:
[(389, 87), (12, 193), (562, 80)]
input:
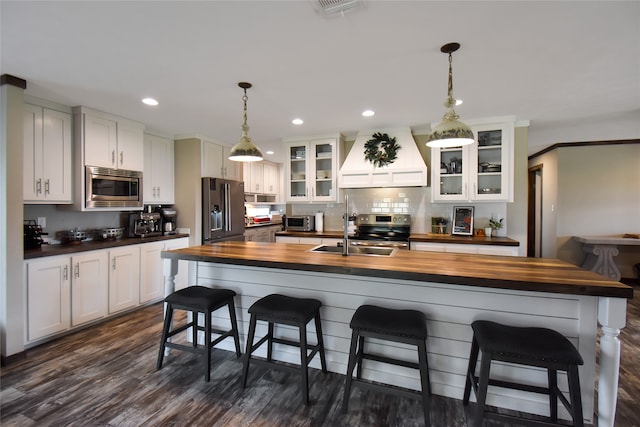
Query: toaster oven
[(300, 223)]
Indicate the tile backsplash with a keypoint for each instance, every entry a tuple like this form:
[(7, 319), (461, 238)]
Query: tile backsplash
[(415, 201)]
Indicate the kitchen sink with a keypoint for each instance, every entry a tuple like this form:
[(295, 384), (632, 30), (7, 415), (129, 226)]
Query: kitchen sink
[(356, 250)]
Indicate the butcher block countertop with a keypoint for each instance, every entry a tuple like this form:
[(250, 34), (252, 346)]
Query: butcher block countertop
[(504, 272)]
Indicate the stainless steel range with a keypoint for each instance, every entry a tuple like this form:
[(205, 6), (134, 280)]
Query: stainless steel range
[(389, 230)]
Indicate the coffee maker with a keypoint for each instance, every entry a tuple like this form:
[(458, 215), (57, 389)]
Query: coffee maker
[(144, 224), (169, 221)]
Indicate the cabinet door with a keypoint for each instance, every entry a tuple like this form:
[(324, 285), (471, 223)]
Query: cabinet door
[(323, 170), (231, 169), (182, 278), (450, 178), (89, 286), (130, 154), (124, 278), (257, 177), (100, 141), (32, 153), (271, 179), (48, 297), (297, 170), (158, 170), (492, 163), (212, 164), (56, 157), (151, 277)]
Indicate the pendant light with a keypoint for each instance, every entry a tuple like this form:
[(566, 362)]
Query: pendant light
[(451, 132), (245, 150)]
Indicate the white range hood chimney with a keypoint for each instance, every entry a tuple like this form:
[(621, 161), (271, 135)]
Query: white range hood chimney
[(407, 170)]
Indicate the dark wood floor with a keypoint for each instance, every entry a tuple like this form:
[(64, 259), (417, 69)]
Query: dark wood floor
[(106, 376)]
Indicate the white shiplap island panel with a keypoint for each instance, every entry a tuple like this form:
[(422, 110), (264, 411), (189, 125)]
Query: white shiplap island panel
[(450, 309)]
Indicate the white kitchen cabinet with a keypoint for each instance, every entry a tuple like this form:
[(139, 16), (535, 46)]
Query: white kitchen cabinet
[(216, 163), (48, 296), (311, 170), (158, 176), (465, 249), (253, 177), (479, 172), (151, 273), (89, 286), (47, 156), (124, 278), (108, 141), (271, 176)]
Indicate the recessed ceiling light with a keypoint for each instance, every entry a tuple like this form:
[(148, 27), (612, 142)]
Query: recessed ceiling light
[(150, 101), (368, 113), (297, 121), (269, 152)]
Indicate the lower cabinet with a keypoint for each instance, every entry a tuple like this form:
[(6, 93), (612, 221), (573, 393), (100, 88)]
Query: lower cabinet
[(124, 278), (262, 234), (63, 292), (465, 249), (89, 286), (307, 240), (48, 290)]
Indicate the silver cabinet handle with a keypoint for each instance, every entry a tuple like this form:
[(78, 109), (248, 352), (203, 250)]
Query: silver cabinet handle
[(113, 157), (77, 272), (46, 186), (158, 192), (39, 186), (121, 157), (113, 263), (65, 272)]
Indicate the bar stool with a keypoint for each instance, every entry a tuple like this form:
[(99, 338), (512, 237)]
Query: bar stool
[(281, 309), (199, 299), (539, 347), (403, 326)]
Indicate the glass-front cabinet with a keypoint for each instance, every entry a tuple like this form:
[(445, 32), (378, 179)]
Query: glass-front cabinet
[(311, 170), (482, 171)]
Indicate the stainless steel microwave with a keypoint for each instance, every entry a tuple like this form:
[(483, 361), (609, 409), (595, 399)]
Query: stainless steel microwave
[(113, 188), (300, 223)]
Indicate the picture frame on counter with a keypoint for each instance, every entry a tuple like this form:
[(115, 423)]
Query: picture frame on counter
[(462, 220)]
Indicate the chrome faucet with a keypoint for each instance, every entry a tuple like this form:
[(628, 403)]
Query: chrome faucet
[(345, 241)]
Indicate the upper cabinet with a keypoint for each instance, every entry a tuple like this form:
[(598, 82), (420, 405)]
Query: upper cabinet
[(47, 156), (261, 178), (482, 171), (311, 169), (158, 170), (108, 141), (216, 163)]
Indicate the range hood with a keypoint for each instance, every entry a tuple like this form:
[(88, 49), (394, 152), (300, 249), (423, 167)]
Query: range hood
[(408, 169)]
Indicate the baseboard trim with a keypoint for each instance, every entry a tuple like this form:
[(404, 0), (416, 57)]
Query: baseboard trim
[(13, 358)]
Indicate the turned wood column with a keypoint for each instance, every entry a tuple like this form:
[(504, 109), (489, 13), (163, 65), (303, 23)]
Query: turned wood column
[(612, 315)]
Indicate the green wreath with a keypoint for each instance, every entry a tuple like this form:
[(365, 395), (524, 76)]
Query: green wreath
[(381, 150)]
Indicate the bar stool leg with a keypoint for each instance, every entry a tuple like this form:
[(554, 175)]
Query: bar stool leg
[(234, 326), (323, 361), (303, 365), (270, 341), (194, 328), (165, 332), (350, 366), (471, 371), (207, 343), (574, 395), (247, 354), (360, 358), (552, 378), (425, 382), (481, 397)]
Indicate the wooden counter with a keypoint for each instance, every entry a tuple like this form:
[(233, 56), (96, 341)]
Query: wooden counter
[(451, 289)]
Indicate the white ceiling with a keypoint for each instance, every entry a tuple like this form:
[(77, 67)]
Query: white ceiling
[(547, 62)]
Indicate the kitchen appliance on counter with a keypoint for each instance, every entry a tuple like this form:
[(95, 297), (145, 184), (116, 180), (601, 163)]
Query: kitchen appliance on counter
[(386, 230), (300, 223), (112, 188), (169, 221), (33, 235), (144, 224), (222, 210)]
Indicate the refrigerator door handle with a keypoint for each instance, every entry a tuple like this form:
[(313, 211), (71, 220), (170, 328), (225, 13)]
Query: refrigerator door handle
[(227, 211)]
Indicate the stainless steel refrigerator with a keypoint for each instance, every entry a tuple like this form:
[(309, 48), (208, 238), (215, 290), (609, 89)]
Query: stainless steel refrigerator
[(222, 210)]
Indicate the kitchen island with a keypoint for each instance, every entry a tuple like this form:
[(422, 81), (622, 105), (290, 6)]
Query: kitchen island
[(451, 289)]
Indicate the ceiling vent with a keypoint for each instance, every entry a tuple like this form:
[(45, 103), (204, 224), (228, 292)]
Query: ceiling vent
[(331, 7)]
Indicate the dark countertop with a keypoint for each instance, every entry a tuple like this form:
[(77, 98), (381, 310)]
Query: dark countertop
[(93, 245), (492, 271), (434, 238)]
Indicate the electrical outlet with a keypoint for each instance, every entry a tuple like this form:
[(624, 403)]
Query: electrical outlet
[(42, 221)]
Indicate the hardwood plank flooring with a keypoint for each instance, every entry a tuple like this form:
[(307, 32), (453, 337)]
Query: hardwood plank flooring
[(105, 376)]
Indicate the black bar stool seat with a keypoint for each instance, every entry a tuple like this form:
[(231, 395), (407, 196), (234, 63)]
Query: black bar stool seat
[(530, 346), (282, 309), (404, 326), (199, 299)]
